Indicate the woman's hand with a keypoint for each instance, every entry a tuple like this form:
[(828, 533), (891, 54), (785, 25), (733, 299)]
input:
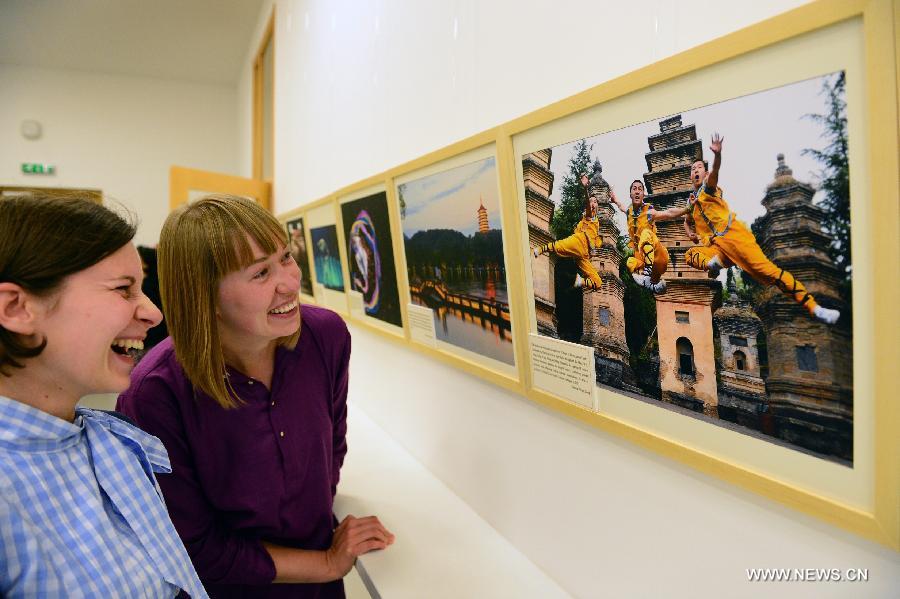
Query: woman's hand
[(354, 537)]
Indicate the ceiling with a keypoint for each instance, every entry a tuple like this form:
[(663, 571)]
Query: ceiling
[(195, 40)]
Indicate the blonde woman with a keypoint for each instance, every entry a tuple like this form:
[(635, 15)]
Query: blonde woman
[(249, 395), (80, 512)]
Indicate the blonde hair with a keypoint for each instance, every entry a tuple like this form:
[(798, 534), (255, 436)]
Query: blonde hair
[(199, 244)]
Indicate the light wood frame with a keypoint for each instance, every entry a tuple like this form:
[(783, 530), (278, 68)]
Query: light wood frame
[(330, 298), (474, 149), (393, 216), (879, 23), (287, 220)]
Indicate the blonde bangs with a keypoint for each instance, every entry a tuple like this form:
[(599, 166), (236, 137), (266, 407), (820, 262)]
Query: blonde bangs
[(230, 228)]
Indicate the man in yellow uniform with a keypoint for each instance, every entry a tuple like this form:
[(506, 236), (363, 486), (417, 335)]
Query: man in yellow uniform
[(726, 241), (651, 259), (578, 245)]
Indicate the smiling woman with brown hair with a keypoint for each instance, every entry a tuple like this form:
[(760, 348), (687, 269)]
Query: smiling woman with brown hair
[(250, 399), (80, 513)]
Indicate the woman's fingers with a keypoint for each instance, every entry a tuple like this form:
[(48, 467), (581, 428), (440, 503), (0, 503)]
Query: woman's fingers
[(367, 546), (369, 531), (365, 534)]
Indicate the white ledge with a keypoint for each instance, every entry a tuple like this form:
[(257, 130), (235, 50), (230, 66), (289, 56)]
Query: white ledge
[(443, 548)]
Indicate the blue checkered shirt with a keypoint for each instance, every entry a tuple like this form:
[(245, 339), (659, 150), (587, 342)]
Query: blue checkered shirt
[(81, 514)]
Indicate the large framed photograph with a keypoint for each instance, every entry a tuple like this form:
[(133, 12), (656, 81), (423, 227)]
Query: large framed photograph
[(718, 293), (706, 236), (371, 268), (455, 259)]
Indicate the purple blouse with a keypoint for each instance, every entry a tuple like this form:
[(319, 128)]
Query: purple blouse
[(267, 470)]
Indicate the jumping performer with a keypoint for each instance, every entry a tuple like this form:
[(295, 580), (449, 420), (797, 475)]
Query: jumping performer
[(578, 245), (726, 241), (650, 258)]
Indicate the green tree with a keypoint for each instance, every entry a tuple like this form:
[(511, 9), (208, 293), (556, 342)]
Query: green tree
[(447, 247), (835, 173), (487, 248), (571, 207), (435, 247), (565, 217)]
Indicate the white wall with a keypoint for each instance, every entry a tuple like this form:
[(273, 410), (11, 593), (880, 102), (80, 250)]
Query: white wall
[(116, 133), (361, 87)]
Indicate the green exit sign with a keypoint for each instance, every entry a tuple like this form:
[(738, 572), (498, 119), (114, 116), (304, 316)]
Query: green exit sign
[(35, 168)]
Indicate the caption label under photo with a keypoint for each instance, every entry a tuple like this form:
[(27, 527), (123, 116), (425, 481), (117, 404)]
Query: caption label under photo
[(563, 369), (421, 324)]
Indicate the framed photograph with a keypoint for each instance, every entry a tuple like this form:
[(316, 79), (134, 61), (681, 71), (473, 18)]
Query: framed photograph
[(298, 246), (455, 259), (693, 297), (703, 226), (371, 269), (328, 272)]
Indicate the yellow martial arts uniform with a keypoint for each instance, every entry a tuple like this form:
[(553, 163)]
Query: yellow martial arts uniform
[(647, 248), (732, 241), (578, 246)]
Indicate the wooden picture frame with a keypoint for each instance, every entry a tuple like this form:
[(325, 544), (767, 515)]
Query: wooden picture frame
[(821, 38), (322, 233), (298, 242), (459, 183), (368, 215)]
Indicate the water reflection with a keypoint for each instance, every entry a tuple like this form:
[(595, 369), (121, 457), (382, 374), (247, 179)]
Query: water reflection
[(484, 327), (471, 332)]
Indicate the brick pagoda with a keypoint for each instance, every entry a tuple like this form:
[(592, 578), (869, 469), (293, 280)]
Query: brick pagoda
[(538, 187), (687, 367), (810, 378), (603, 310)]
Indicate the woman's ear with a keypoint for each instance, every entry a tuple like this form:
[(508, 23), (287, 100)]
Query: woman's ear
[(17, 309)]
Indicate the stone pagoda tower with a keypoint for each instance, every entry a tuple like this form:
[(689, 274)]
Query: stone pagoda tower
[(604, 311), (742, 391), (483, 225), (810, 379), (687, 367), (538, 187)]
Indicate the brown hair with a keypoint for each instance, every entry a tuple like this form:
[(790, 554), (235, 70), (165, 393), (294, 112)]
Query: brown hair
[(43, 240), (199, 244)]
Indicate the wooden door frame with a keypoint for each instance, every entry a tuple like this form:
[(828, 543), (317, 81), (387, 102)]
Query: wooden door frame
[(259, 84), (183, 180)]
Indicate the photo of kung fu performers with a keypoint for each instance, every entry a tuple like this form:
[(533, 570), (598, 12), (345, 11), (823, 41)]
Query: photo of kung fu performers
[(297, 245), (370, 256), (327, 257), (705, 256), (454, 256)]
